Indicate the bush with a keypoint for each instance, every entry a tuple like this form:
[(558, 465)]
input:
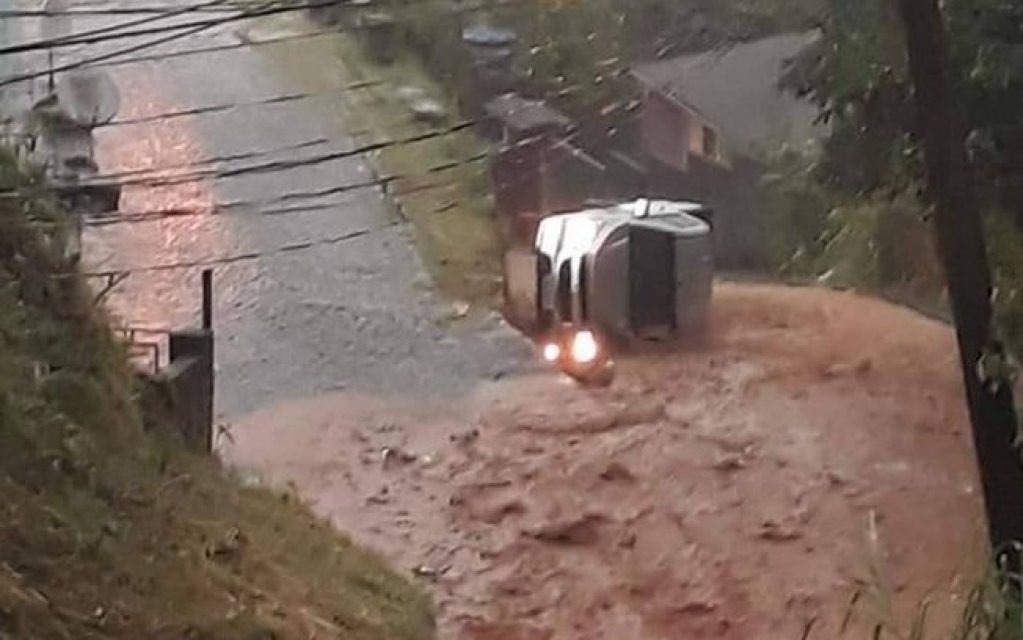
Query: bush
[(877, 243)]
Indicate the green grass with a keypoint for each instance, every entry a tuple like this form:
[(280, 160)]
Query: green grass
[(455, 225), (110, 532), (451, 211)]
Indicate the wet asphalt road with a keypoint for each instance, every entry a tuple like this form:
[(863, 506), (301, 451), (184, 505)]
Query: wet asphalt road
[(357, 314)]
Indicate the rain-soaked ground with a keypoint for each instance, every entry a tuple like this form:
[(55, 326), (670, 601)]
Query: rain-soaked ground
[(343, 314)]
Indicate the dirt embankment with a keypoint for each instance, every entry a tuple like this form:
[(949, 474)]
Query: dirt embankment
[(723, 492)]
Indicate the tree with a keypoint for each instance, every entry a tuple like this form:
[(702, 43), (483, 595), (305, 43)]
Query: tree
[(942, 134)]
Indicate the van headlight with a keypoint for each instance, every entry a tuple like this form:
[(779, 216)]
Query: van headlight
[(584, 348), (551, 352)]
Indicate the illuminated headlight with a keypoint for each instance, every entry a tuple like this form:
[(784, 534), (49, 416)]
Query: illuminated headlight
[(584, 347), (551, 352)]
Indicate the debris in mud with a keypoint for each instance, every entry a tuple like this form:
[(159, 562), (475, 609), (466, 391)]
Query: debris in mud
[(776, 532), (387, 427), (380, 497), (697, 607), (861, 368), (628, 541), (583, 530), (465, 438), (430, 573), (836, 479), (395, 454), (730, 462)]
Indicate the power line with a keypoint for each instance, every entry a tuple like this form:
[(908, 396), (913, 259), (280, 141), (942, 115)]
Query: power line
[(116, 275), (221, 159), (115, 11), (284, 165), (139, 47), (108, 61), (113, 218), (106, 219), (229, 106), (118, 32), (121, 217), (209, 174), (285, 98), (241, 257), (70, 38), (266, 9)]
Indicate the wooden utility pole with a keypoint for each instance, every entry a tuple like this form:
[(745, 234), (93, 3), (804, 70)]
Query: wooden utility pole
[(960, 235)]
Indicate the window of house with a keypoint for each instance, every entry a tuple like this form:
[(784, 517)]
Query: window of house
[(710, 142)]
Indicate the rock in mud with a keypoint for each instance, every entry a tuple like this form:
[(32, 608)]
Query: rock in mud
[(617, 472)]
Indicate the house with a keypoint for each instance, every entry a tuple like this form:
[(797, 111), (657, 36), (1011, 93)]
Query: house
[(725, 102), (535, 167), (705, 123)]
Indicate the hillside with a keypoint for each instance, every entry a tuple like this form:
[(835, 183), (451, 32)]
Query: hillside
[(110, 532)]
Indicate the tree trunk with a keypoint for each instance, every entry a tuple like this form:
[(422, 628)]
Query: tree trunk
[(960, 236)]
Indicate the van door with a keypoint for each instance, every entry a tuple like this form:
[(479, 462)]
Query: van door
[(652, 287)]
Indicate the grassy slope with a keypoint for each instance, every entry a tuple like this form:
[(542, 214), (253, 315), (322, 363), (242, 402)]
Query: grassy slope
[(450, 210), (454, 224), (108, 532)]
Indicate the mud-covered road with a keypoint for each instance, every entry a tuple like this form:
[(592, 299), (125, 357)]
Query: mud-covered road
[(719, 493)]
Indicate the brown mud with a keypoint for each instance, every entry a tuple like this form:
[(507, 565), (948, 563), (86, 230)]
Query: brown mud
[(717, 492)]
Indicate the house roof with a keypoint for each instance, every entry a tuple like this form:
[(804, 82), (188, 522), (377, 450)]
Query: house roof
[(736, 90), (519, 114)]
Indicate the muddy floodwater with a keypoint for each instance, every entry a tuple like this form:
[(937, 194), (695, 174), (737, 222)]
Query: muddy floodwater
[(725, 492)]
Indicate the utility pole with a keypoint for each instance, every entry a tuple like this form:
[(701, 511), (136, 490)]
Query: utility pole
[(957, 222), (55, 25)]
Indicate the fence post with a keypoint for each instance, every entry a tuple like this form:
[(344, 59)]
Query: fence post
[(207, 300), (195, 391)]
